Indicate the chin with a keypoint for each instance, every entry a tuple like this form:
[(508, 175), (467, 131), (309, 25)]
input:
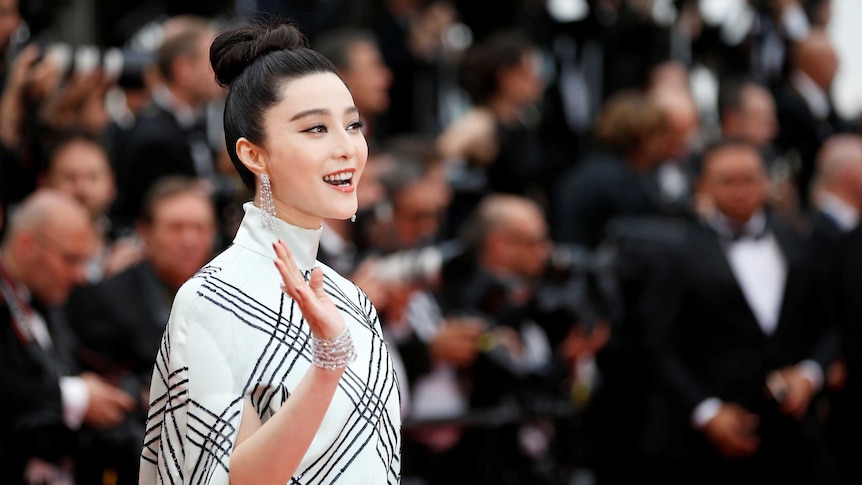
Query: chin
[(345, 212)]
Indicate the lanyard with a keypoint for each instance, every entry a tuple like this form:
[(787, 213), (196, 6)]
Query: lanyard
[(18, 307), (22, 313)]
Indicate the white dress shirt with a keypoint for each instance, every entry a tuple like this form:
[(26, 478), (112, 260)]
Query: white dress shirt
[(845, 215)]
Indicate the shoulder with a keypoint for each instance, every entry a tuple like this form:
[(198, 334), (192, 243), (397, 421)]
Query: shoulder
[(340, 284), (349, 297), (154, 125), (122, 282)]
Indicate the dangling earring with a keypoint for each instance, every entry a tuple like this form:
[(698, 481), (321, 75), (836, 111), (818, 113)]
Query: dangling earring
[(353, 218), (266, 203)]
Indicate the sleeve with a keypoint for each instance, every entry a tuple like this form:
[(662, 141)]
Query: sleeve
[(195, 406), (665, 313), (76, 399)]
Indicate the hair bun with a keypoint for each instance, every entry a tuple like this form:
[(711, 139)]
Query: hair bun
[(234, 50)]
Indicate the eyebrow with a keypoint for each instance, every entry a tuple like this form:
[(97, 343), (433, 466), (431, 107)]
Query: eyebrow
[(320, 112)]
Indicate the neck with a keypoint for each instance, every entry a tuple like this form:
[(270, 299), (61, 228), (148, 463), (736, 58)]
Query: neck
[(639, 160), (8, 262), (847, 196), (505, 111), (292, 217), (183, 97), (340, 227)]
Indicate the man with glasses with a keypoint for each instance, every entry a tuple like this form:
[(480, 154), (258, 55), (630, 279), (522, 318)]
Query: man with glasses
[(43, 256)]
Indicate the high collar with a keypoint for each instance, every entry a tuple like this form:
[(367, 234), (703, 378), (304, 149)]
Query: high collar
[(255, 236)]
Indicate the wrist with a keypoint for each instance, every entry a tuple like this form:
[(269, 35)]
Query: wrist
[(333, 353)]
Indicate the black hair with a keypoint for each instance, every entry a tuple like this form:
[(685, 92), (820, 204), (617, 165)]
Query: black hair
[(56, 141), (482, 63), (712, 149), (730, 93), (253, 62), (168, 187)]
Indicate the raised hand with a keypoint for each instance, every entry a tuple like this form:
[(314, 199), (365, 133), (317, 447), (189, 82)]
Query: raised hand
[(323, 318)]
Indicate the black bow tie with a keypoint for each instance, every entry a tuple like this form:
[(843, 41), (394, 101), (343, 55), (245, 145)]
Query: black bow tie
[(745, 232)]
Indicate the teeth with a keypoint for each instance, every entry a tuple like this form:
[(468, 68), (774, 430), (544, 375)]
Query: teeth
[(338, 177)]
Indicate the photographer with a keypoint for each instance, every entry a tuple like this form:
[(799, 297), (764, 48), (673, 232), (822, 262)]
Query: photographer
[(119, 322), (507, 376)]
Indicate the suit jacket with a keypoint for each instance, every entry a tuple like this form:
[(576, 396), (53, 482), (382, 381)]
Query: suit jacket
[(120, 321), (849, 282), (31, 407), (707, 342), (155, 147), (592, 193), (801, 132), (824, 242)]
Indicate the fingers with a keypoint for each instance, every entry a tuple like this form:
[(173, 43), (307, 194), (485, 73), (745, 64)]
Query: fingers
[(290, 274), (315, 282), (108, 405)]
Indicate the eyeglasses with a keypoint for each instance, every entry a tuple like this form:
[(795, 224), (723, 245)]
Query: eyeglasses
[(527, 239), (69, 258)]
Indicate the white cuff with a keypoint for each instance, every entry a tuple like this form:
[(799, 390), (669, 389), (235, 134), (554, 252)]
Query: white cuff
[(75, 398), (812, 372), (705, 411)]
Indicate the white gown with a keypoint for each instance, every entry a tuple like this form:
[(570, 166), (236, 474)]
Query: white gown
[(225, 342)]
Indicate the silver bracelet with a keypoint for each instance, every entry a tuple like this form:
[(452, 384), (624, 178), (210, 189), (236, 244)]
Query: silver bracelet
[(333, 353)]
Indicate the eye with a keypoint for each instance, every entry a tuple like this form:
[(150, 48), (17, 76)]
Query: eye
[(356, 125), (315, 129)]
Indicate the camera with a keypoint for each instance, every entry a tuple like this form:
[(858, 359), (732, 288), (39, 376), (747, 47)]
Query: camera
[(580, 286), (124, 65), (417, 266)]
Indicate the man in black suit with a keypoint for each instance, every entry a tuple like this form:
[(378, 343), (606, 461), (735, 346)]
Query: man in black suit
[(738, 336), (848, 422), (615, 180), (806, 113), (120, 321), (169, 136), (837, 191), (44, 402), (837, 200)]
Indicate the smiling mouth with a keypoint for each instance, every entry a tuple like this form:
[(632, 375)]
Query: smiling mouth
[(342, 179)]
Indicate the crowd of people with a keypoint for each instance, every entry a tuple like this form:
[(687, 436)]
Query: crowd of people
[(607, 241)]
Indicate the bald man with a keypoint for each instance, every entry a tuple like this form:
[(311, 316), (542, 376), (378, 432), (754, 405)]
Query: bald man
[(43, 257), (846, 419), (834, 241)]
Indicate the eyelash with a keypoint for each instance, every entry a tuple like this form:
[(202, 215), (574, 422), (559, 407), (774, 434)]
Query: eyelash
[(358, 125)]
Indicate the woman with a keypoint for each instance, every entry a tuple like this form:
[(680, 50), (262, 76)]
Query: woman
[(277, 373), (497, 145)]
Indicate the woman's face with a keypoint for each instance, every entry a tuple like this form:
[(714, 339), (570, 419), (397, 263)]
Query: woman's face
[(315, 150)]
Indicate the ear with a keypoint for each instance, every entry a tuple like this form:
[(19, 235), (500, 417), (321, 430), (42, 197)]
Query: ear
[(251, 155), (25, 245), (143, 232)]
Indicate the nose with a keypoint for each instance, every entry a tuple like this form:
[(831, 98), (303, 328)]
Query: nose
[(345, 147)]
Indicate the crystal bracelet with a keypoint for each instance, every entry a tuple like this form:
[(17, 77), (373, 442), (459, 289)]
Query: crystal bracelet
[(333, 353)]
